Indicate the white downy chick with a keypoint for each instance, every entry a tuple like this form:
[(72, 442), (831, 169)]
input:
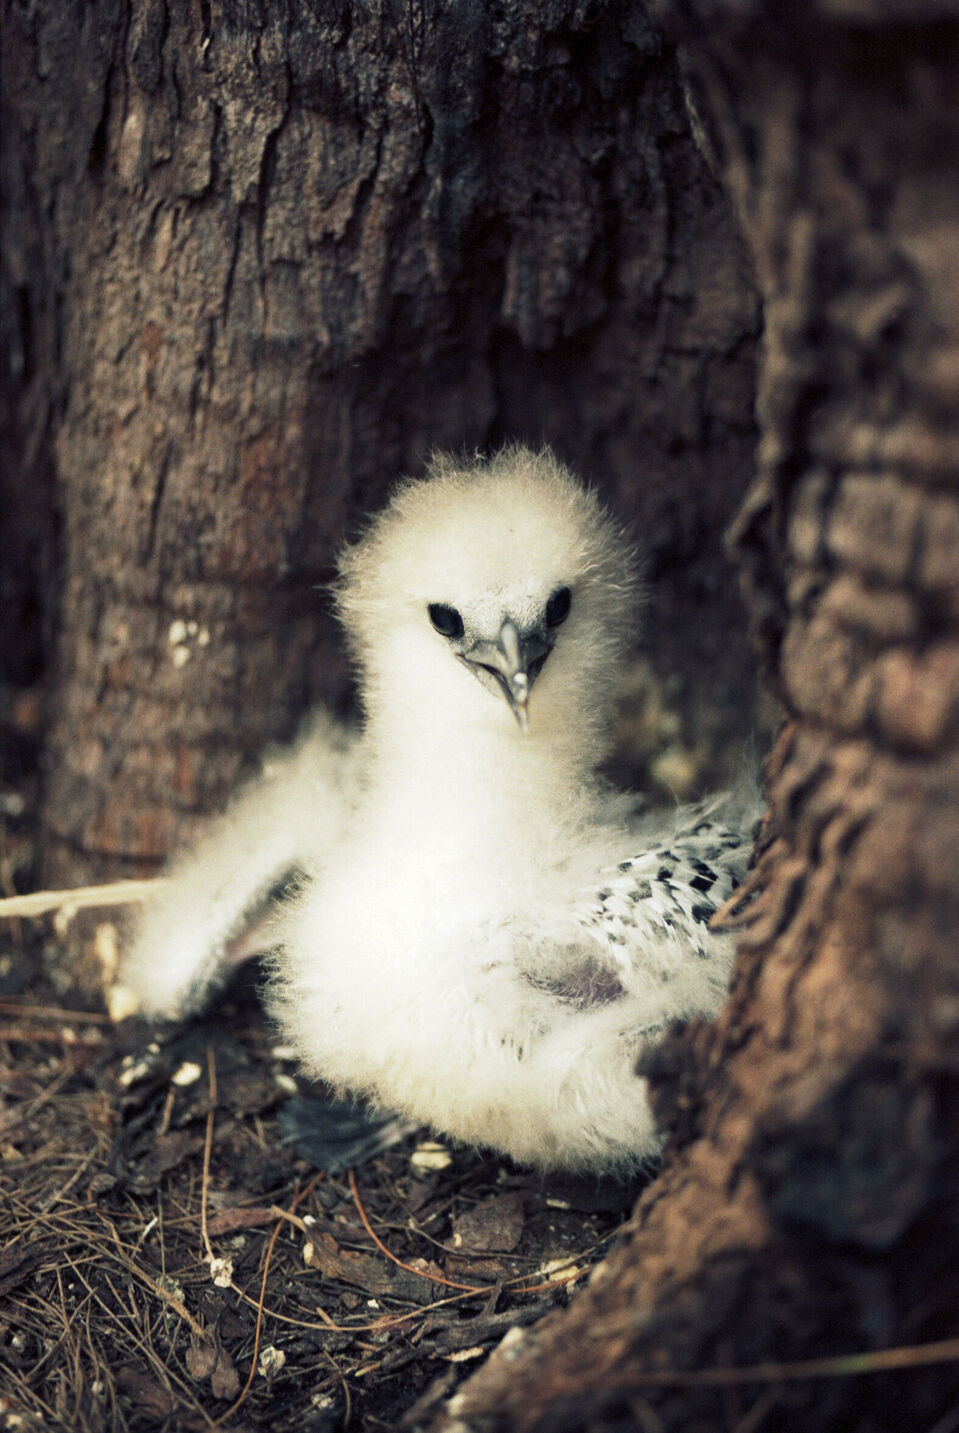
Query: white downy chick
[(484, 941)]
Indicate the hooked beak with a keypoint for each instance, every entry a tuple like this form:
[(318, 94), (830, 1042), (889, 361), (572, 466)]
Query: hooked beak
[(514, 662)]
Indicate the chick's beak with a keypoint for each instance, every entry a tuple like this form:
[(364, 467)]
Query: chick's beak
[(515, 662)]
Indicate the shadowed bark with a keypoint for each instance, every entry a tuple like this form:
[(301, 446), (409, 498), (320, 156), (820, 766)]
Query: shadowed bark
[(808, 1204), (262, 259)]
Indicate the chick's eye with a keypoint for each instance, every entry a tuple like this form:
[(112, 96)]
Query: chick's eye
[(557, 608), (446, 620)]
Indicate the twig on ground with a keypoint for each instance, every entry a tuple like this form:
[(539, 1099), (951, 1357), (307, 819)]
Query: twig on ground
[(113, 893)]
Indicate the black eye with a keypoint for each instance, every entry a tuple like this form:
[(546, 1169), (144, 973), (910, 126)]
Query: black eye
[(446, 620), (557, 608)]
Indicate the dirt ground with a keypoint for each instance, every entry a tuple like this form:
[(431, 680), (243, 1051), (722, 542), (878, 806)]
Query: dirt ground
[(167, 1262), (158, 1241)]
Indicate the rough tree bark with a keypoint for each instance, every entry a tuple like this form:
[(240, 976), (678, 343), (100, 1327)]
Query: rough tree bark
[(260, 259), (808, 1207)]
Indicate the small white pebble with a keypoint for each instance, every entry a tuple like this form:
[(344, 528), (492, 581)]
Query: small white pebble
[(561, 1268), (13, 1421), (221, 1272), (188, 1073), (177, 633), (271, 1361), (106, 948), (136, 1070), (430, 1155)]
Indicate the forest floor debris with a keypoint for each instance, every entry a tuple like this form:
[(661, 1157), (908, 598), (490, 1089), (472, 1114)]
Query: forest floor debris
[(166, 1262)]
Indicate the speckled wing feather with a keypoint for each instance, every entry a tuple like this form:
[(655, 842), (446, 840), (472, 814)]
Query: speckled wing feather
[(672, 889), (648, 917)]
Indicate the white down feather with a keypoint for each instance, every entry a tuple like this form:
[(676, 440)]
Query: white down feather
[(481, 939)]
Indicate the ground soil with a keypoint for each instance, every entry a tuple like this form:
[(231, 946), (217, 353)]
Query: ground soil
[(132, 1157)]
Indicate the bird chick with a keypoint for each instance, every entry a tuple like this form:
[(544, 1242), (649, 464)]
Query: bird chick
[(484, 939)]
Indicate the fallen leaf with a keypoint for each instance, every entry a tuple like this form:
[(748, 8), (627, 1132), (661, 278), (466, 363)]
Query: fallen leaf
[(224, 1381), (229, 1220), (496, 1225), (167, 1152), (16, 1264), (150, 1395), (200, 1358), (374, 1275)]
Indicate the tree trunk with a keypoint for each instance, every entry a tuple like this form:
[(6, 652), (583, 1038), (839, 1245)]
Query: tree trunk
[(262, 260), (808, 1207)]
